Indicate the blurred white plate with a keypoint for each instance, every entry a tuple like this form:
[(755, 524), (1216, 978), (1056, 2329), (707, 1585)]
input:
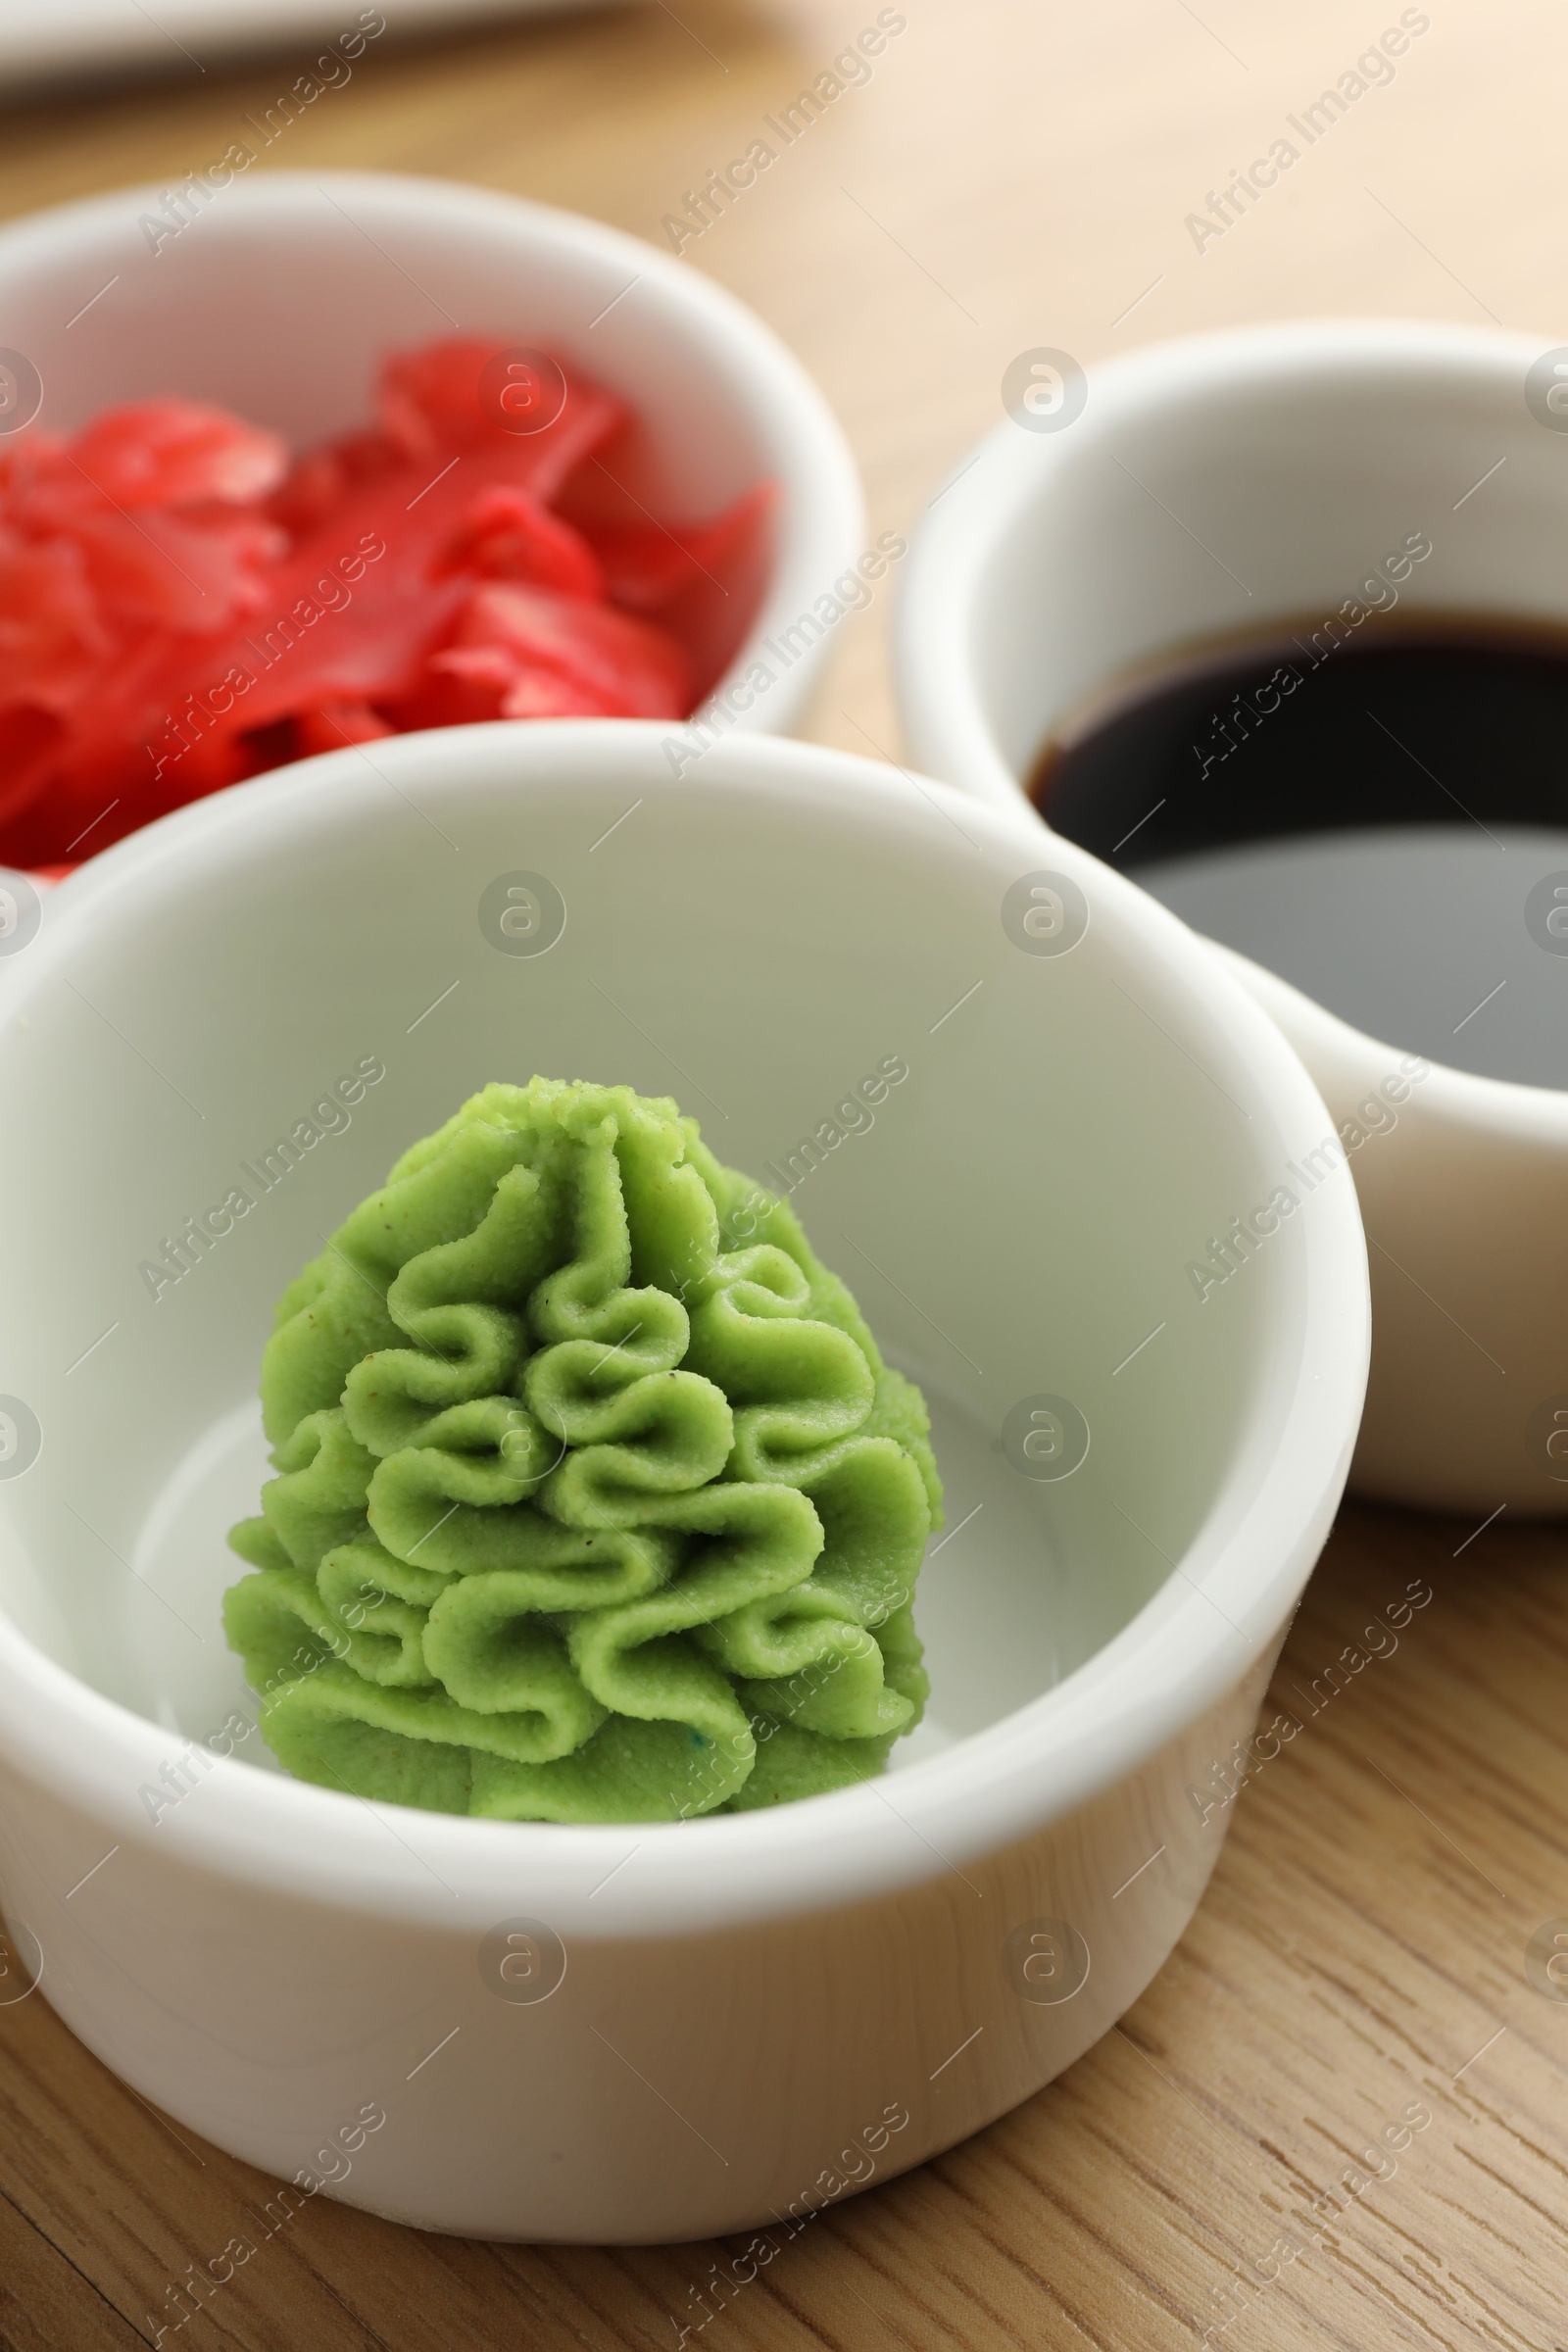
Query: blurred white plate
[(45, 40)]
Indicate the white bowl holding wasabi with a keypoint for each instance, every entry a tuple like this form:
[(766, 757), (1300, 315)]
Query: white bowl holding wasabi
[(656, 2029)]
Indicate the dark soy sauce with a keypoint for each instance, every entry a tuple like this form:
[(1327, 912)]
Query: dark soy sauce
[(1382, 822)]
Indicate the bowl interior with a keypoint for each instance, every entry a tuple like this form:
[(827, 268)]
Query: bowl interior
[(1013, 1157), (1240, 485), (282, 293)]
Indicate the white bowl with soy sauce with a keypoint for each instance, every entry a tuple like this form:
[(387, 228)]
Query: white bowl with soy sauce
[(1276, 623)]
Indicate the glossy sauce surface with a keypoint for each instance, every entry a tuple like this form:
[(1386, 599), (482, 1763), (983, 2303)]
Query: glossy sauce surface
[(1383, 821)]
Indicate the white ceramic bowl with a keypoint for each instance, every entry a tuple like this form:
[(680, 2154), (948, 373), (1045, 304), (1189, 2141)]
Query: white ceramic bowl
[(52, 39), (1208, 488), (746, 1999), (285, 290)]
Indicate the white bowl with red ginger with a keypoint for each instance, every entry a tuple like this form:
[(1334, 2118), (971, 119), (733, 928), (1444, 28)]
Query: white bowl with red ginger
[(356, 455)]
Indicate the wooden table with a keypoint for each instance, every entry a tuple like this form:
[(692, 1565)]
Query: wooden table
[(1012, 175)]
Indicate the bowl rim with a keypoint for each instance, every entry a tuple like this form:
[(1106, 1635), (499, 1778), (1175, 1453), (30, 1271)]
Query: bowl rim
[(820, 525), (1507, 1109), (992, 1789), (977, 507)]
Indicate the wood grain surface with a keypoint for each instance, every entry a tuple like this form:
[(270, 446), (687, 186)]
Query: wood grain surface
[(1013, 174)]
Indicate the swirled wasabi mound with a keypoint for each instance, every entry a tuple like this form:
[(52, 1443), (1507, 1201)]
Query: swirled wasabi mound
[(595, 1500)]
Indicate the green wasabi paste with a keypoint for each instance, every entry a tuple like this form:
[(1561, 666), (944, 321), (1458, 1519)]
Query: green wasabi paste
[(595, 1500)]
